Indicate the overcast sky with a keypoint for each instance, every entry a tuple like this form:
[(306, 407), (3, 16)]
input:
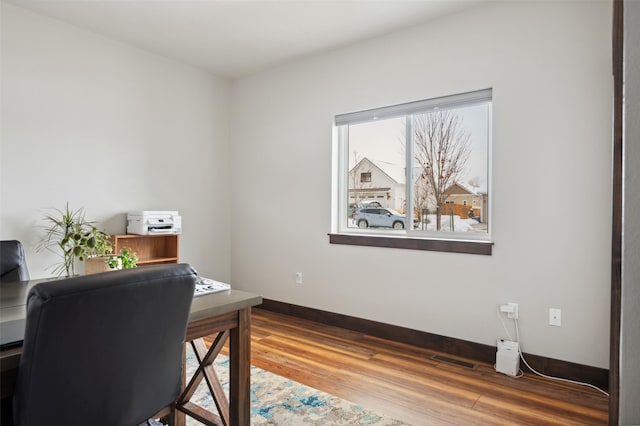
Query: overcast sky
[(384, 140)]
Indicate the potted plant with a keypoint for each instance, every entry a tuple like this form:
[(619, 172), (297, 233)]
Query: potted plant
[(71, 236), (96, 258), (106, 261), (125, 260)]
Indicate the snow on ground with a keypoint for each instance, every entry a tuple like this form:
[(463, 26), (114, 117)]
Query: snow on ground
[(459, 225)]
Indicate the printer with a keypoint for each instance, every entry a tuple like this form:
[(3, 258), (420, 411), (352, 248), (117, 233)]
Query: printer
[(154, 222)]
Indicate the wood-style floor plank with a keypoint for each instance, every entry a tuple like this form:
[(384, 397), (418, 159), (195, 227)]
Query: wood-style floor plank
[(404, 382)]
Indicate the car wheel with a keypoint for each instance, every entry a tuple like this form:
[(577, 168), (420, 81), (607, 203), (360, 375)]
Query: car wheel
[(398, 225), (362, 224)]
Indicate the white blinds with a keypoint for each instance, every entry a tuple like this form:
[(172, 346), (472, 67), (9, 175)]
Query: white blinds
[(445, 102)]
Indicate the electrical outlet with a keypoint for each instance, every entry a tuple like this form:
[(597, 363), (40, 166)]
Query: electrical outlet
[(298, 277), (511, 309), (555, 317)]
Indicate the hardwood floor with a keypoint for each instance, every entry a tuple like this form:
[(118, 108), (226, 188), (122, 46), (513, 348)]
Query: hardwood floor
[(405, 382)]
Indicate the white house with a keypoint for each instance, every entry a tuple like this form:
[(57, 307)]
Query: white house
[(377, 180)]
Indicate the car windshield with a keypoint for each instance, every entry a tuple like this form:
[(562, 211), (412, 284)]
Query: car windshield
[(394, 212)]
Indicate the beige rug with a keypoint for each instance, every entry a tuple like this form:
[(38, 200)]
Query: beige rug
[(276, 400)]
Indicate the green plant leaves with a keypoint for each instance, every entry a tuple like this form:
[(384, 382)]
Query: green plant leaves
[(71, 234), (125, 260)]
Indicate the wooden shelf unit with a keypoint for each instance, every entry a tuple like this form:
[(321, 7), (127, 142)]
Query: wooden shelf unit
[(150, 249)]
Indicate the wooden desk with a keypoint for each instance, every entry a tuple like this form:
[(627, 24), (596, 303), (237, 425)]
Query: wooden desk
[(229, 315), (226, 313)]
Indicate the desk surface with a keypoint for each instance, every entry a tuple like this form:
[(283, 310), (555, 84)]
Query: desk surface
[(13, 297)]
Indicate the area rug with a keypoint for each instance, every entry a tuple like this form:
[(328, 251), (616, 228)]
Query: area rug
[(276, 400)]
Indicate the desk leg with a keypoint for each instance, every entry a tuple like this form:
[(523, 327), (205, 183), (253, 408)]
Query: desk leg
[(180, 417), (240, 370)]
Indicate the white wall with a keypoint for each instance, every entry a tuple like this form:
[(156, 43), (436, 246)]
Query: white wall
[(158, 133), (112, 129), (630, 332), (549, 64)]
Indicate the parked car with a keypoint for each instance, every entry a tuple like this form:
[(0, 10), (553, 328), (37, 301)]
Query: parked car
[(376, 217), (353, 207)]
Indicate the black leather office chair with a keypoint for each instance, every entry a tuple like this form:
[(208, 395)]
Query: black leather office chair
[(104, 349), (13, 266)]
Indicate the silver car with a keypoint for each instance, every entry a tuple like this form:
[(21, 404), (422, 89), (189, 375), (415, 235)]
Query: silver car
[(376, 217)]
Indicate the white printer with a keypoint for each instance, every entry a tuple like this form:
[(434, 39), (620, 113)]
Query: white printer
[(154, 222)]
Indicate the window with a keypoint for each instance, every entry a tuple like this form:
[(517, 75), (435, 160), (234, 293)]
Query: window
[(425, 161)]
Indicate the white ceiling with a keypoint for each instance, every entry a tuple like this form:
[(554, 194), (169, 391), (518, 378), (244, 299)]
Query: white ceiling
[(235, 38)]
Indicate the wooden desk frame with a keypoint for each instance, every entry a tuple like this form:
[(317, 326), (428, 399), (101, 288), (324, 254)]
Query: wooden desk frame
[(236, 327)]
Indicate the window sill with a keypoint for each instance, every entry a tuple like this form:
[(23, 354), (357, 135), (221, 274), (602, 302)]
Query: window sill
[(449, 246)]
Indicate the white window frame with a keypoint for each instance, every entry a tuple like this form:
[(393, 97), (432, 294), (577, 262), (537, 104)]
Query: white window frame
[(341, 201)]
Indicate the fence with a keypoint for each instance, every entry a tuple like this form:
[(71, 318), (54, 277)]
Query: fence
[(457, 209)]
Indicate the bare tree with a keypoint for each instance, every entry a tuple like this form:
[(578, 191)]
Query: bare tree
[(421, 198), (442, 148)]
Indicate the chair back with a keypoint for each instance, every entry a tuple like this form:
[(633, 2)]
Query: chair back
[(13, 266), (105, 348)]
